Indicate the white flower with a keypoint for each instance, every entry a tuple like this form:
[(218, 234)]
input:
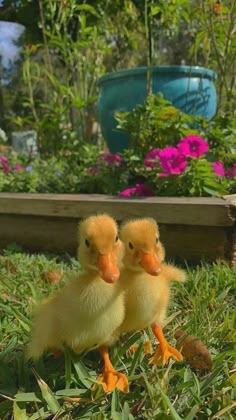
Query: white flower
[(3, 136)]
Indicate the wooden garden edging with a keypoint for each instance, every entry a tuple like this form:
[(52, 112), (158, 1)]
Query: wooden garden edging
[(191, 228)]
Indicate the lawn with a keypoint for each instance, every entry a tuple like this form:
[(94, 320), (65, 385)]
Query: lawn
[(61, 387)]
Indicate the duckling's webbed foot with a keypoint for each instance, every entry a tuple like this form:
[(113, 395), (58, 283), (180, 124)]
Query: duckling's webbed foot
[(111, 378), (164, 351)]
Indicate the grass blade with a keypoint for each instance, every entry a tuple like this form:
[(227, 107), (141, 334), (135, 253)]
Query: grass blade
[(48, 395), (67, 369), (170, 405), (136, 359), (18, 413)]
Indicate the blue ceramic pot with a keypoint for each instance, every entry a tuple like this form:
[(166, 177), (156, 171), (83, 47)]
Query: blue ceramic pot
[(191, 89)]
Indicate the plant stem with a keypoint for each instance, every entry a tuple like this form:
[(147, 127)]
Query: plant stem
[(47, 54), (148, 28)]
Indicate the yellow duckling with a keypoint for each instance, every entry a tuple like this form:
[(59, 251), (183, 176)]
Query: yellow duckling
[(145, 280), (86, 313)]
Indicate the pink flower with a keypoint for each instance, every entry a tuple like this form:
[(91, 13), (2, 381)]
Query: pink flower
[(218, 168), (172, 161), (4, 162), (18, 167), (162, 175), (3, 159), (140, 190), (231, 173), (152, 158), (193, 146), (127, 193), (111, 158)]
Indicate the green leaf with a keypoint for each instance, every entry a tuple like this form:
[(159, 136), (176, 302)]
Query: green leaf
[(82, 372), (115, 401), (170, 405), (67, 368), (18, 413), (26, 397), (87, 8), (48, 395), (136, 359), (192, 413), (116, 416), (155, 10), (126, 412)]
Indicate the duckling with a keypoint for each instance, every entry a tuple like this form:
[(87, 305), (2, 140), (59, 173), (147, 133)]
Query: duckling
[(86, 313), (145, 279)]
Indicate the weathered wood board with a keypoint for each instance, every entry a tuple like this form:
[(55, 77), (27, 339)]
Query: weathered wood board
[(192, 229), (189, 211)]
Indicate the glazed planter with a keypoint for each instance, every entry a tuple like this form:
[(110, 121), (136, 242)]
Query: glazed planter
[(189, 88), (192, 229)]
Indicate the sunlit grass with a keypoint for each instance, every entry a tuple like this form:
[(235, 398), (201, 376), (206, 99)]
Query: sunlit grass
[(63, 388)]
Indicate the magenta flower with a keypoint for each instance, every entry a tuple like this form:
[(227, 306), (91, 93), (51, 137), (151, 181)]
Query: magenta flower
[(6, 168), (151, 158), (172, 161), (218, 168), (127, 193), (140, 190), (18, 167), (231, 173), (193, 146), (111, 158), (4, 163), (3, 159)]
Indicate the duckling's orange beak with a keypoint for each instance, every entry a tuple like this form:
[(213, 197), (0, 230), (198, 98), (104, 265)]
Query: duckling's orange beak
[(108, 269), (150, 263)]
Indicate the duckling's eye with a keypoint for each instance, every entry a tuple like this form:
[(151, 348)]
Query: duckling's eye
[(131, 246), (87, 243), (117, 238), (157, 240)]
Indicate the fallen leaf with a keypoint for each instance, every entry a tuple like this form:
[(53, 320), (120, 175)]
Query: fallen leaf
[(194, 351), (53, 276)]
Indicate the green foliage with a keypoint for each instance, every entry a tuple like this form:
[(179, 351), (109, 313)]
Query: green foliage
[(215, 45), (61, 73), (81, 171), (79, 42), (156, 123), (204, 306)]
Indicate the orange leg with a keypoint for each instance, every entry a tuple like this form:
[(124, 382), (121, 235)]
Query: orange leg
[(164, 350), (111, 378)]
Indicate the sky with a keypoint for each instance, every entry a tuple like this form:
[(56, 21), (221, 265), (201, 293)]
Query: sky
[(9, 34)]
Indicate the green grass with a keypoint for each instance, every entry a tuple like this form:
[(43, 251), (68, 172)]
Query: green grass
[(204, 306)]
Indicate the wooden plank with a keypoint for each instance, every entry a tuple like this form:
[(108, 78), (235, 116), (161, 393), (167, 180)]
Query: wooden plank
[(191, 243), (39, 233), (200, 211), (194, 243)]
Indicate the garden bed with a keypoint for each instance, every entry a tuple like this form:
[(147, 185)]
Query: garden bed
[(191, 228)]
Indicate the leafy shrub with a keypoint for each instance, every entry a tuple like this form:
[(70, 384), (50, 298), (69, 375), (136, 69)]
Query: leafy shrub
[(178, 155)]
